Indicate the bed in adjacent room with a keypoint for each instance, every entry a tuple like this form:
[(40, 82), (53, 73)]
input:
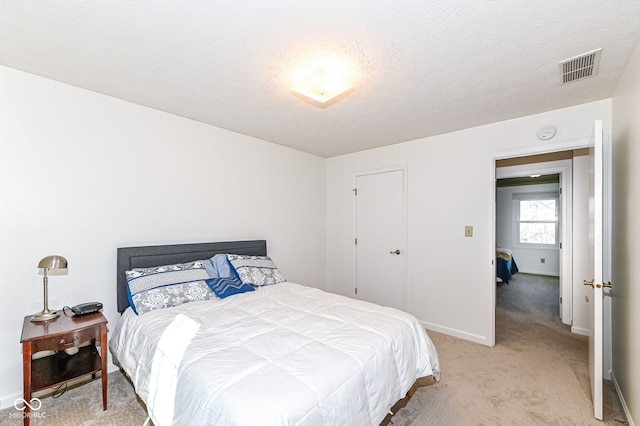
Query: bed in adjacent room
[(505, 265), (210, 350)]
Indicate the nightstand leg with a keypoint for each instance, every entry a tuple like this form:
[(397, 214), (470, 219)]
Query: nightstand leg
[(26, 377), (103, 356)]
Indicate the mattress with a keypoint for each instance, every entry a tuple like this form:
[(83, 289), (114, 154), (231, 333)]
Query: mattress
[(284, 354)]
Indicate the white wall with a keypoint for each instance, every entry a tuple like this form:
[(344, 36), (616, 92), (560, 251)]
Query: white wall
[(527, 258), (450, 185), (82, 174), (626, 238)]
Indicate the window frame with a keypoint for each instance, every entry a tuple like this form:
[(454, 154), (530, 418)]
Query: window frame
[(530, 196)]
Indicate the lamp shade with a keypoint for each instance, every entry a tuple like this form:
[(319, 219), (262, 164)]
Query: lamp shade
[(53, 262), (50, 265)]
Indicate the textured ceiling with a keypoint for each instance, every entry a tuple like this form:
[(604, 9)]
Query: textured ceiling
[(420, 68)]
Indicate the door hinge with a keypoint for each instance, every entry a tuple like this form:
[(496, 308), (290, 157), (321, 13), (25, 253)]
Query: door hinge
[(560, 245), (356, 290), (561, 190), (355, 191), (356, 241), (561, 300)]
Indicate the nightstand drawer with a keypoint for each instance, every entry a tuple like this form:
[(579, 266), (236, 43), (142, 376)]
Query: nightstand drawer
[(67, 340)]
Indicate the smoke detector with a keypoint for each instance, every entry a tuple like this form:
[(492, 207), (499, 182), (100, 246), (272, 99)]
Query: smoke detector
[(581, 66), (546, 133)]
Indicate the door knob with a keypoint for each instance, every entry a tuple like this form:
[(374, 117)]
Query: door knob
[(594, 285), (395, 252)]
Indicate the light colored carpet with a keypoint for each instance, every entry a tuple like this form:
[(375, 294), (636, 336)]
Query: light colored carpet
[(535, 375), (82, 405)]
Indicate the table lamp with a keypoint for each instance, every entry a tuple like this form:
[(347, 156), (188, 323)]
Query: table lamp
[(56, 265)]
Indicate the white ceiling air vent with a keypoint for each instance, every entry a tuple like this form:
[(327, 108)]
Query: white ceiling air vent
[(579, 67)]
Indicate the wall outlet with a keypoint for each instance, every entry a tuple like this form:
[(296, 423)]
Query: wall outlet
[(542, 260), (468, 231)]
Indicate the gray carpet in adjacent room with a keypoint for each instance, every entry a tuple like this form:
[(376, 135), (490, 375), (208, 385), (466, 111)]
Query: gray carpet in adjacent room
[(535, 375)]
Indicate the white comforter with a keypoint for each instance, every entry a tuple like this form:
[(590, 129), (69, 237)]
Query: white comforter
[(283, 355)]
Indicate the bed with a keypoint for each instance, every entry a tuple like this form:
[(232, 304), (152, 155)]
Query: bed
[(279, 354), (505, 265)]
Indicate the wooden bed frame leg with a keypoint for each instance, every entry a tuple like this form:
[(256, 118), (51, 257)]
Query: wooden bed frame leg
[(411, 391)]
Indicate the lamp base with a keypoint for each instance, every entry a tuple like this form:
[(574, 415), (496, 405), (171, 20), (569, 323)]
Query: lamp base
[(45, 316)]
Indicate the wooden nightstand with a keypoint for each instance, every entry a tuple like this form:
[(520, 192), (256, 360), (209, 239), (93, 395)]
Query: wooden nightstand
[(57, 335)]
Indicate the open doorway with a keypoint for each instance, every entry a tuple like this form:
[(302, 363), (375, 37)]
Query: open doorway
[(594, 247), (564, 173), (528, 225)]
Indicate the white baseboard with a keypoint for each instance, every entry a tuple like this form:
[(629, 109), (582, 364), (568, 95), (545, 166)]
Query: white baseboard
[(579, 330), (456, 333), (625, 407), (8, 401), (535, 272)]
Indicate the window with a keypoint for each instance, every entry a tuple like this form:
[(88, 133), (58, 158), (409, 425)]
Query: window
[(537, 218)]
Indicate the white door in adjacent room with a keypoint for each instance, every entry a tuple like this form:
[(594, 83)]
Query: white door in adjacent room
[(380, 240)]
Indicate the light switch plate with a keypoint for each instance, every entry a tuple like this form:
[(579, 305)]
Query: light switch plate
[(468, 231)]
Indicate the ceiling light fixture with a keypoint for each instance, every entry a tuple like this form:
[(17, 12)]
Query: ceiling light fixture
[(322, 88)]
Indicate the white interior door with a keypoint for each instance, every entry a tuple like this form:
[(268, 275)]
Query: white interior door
[(596, 261), (380, 238)]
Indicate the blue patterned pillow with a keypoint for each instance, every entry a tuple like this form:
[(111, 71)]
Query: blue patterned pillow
[(166, 286), (256, 270), (225, 287)]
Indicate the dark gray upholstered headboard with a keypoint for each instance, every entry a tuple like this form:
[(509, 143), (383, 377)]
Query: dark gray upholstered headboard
[(144, 257)]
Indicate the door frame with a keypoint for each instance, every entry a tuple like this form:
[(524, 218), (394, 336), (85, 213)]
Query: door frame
[(565, 169), (545, 148), (405, 226)]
